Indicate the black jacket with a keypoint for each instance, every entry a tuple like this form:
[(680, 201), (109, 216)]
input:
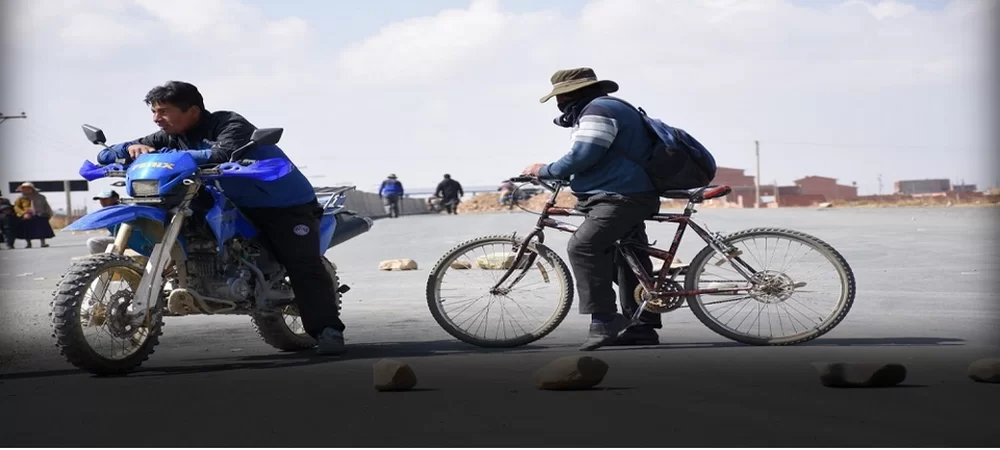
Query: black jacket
[(213, 140), (449, 189), (222, 132)]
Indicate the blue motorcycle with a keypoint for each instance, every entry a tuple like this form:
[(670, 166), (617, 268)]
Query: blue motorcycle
[(182, 248)]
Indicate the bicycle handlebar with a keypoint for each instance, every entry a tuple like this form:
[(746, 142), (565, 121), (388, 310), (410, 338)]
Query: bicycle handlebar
[(536, 180)]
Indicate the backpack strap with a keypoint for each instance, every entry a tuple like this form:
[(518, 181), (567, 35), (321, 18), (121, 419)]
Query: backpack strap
[(645, 125)]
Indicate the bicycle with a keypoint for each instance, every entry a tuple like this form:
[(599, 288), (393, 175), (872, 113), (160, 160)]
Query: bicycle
[(658, 292)]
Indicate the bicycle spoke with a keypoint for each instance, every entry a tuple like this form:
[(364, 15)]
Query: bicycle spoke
[(793, 295), (521, 306)]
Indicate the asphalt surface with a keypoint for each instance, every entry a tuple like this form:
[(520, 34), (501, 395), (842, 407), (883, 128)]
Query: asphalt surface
[(926, 298)]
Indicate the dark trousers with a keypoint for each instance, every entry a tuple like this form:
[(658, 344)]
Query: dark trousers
[(450, 204), (592, 254), (292, 234), (9, 224)]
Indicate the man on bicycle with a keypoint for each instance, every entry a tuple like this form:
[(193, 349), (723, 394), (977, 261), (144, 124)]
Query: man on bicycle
[(616, 195)]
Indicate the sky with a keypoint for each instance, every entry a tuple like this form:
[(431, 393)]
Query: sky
[(847, 89)]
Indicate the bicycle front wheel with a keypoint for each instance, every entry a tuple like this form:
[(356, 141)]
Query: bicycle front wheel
[(785, 302), (462, 300)]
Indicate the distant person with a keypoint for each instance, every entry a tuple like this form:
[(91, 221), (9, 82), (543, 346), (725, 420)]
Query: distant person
[(507, 193), (34, 211), (450, 192), (391, 192), (99, 244), (8, 223)]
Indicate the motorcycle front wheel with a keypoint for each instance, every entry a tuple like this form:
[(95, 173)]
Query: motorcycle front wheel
[(90, 312)]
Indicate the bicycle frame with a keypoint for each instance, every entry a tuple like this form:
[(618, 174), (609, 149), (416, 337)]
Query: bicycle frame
[(652, 284)]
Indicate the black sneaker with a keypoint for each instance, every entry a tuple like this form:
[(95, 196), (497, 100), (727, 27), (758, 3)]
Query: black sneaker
[(330, 342), (638, 335), (602, 334)]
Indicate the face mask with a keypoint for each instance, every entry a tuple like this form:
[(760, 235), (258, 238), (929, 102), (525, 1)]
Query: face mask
[(570, 111)]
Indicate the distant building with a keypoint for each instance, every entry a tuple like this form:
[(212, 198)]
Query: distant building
[(964, 188), (918, 187), (743, 185), (827, 187)]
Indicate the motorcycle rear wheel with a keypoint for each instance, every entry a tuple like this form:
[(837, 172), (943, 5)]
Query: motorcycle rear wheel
[(275, 329)]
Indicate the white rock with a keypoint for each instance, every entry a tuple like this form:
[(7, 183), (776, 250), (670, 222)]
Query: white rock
[(392, 375), (398, 264), (860, 374), (496, 261), (571, 372), (985, 370)]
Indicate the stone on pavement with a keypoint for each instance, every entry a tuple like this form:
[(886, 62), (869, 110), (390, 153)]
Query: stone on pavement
[(571, 372), (461, 265), (860, 374), (985, 370), (496, 261), (392, 375), (398, 264)]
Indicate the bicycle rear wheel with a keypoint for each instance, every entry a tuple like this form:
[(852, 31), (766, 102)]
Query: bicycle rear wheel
[(459, 297), (787, 288)]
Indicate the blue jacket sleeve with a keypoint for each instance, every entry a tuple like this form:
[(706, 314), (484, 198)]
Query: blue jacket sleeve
[(591, 140), (109, 155)]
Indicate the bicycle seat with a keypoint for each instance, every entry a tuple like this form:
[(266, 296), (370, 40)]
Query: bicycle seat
[(698, 195)]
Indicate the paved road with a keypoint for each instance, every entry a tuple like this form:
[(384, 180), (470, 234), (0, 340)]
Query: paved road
[(926, 298)]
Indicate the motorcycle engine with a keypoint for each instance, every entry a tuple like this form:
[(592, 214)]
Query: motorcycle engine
[(213, 277)]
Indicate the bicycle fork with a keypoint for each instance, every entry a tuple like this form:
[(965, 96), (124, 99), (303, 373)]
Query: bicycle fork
[(496, 289)]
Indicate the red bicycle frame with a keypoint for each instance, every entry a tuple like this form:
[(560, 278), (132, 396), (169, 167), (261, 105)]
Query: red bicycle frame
[(652, 283)]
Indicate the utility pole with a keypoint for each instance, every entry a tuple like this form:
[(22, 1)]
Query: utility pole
[(757, 179), (69, 203), (777, 204), (4, 117)]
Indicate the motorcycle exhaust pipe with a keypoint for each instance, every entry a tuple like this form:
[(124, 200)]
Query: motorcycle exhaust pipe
[(349, 227)]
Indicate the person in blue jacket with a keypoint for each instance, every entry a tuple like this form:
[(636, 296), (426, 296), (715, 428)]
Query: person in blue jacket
[(285, 211), (390, 192)]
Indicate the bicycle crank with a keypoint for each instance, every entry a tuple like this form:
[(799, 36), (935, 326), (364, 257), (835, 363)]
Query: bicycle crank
[(659, 302)]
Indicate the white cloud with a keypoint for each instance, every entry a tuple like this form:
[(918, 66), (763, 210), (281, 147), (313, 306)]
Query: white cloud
[(456, 88)]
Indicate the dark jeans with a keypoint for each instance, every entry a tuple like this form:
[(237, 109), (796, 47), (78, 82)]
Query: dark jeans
[(596, 263), (450, 204), (292, 234), (9, 225)]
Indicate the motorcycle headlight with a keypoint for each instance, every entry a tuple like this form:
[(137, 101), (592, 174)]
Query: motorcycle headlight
[(145, 188)]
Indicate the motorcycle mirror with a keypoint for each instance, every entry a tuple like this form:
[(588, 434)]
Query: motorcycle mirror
[(260, 136), (94, 135), (266, 136)]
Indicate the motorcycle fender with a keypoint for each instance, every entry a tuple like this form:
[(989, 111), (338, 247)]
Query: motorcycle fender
[(113, 215)]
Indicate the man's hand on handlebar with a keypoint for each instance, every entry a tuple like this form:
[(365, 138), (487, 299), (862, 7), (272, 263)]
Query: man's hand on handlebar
[(135, 150), (532, 170)]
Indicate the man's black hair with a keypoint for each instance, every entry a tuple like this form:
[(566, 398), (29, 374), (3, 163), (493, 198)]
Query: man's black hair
[(178, 93)]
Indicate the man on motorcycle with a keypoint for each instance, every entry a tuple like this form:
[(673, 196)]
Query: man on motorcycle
[(285, 211)]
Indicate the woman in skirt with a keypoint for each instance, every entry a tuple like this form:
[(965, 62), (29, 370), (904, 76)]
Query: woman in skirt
[(34, 211)]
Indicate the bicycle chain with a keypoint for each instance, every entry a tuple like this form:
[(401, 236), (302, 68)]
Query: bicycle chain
[(685, 305)]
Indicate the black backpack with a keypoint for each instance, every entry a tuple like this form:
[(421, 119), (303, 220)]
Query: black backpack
[(678, 161)]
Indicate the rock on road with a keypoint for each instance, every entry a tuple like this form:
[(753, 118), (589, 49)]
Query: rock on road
[(925, 299)]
